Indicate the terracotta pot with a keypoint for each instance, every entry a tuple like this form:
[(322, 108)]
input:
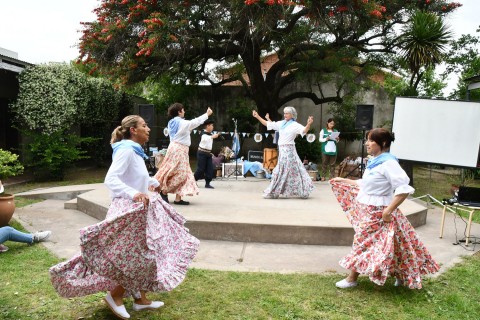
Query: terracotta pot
[(7, 208)]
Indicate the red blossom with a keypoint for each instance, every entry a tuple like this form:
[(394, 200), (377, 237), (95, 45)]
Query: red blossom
[(141, 52), (342, 9), (141, 43), (92, 71), (331, 14), (376, 13)]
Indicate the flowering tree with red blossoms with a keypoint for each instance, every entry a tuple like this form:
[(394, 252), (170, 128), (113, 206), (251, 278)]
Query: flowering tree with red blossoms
[(132, 40)]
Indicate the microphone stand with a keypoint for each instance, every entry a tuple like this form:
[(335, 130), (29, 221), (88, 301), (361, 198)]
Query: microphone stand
[(236, 155)]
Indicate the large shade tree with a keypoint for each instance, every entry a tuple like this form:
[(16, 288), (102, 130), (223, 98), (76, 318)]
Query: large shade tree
[(320, 40)]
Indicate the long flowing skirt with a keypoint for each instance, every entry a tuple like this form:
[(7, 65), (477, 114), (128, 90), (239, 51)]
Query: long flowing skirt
[(381, 249), (289, 177), (139, 249), (175, 174)]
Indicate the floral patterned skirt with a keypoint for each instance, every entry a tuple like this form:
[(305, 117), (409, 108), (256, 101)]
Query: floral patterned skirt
[(381, 249), (289, 177), (141, 250), (175, 174)]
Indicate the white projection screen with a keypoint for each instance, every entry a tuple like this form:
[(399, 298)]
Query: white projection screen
[(437, 131)]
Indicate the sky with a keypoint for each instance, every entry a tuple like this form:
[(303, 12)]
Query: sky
[(41, 31)]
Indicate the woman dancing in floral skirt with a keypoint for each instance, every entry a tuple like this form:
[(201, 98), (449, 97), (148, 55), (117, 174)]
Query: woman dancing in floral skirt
[(385, 243), (141, 246), (289, 177)]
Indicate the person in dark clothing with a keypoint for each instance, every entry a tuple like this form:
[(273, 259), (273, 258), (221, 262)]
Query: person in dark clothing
[(204, 155)]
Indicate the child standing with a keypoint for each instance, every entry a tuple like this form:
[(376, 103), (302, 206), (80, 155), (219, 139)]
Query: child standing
[(204, 155)]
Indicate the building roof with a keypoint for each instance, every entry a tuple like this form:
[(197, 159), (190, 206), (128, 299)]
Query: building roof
[(12, 64), (472, 79)]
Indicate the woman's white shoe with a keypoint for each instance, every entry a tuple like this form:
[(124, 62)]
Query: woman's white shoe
[(153, 305), (398, 282), (119, 311), (344, 284)]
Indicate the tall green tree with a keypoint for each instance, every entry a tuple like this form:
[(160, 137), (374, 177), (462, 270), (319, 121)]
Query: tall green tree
[(463, 59), (424, 44), (314, 40)]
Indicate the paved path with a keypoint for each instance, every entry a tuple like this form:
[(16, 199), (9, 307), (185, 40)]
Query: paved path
[(243, 256)]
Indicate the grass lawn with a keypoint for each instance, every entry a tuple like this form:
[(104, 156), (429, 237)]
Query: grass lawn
[(26, 291)]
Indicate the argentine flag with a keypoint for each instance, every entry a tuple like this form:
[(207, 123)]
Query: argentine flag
[(236, 144)]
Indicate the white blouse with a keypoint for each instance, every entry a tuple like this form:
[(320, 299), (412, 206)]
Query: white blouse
[(288, 134), (128, 175), (379, 184), (185, 127)]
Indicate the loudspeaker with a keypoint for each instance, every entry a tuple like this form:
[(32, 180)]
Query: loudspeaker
[(364, 119), (147, 112)]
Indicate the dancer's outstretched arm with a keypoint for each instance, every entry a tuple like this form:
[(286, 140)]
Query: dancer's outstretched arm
[(257, 116), (309, 123)]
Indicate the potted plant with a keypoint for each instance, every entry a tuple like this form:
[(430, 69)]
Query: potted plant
[(9, 166)]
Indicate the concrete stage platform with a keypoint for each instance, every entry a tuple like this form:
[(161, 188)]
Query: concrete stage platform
[(235, 211)]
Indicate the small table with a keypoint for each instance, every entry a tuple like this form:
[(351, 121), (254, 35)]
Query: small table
[(470, 210)]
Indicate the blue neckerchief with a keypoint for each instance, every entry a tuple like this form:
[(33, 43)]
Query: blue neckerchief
[(378, 160), (126, 143), (287, 123), (173, 125)]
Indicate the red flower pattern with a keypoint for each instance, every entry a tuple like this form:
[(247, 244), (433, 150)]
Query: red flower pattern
[(140, 249), (381, 249), (175, 174)]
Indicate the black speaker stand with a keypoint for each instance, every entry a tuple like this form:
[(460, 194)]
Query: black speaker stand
[(361, 166)]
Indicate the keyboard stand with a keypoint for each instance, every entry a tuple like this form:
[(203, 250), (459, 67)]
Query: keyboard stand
[(470, 211)]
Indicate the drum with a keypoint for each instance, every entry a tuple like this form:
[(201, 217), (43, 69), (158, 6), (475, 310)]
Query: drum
[(270, 158)]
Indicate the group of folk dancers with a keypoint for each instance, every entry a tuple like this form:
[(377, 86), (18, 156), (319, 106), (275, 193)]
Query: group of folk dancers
[(143, 246)]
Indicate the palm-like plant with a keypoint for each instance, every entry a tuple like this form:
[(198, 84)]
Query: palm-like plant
[(424, 44)]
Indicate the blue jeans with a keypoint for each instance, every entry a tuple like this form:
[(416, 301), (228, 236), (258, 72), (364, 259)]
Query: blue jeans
[(9, 233)]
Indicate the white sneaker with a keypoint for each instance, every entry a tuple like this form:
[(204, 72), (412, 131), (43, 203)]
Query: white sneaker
[(270, 196), (153, 305), (41, 236), (344, 284), (119, 311), (398, 282)]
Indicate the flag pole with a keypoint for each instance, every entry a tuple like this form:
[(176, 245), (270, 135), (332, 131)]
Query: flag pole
[(236, 138)]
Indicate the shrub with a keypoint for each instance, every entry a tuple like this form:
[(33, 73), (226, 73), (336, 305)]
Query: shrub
[(9, 165), (50, 155)]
